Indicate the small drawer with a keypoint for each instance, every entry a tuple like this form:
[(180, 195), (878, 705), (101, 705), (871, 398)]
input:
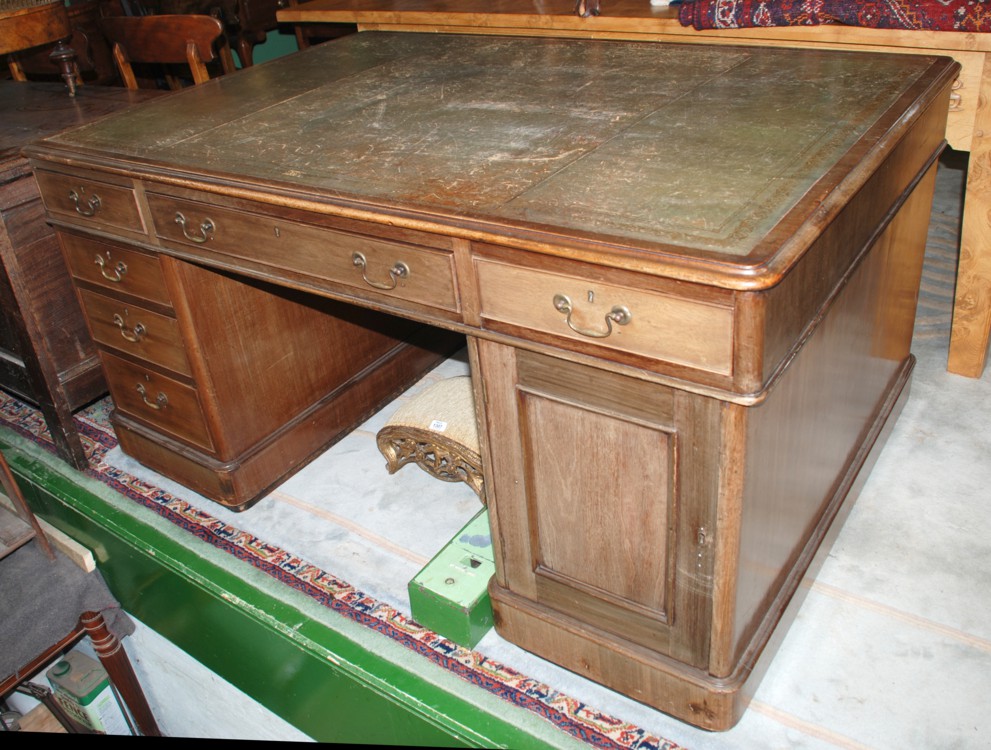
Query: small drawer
[(139, 332), (642, 322), (168, 406), (368, 264), (115, 267), (90, 203)]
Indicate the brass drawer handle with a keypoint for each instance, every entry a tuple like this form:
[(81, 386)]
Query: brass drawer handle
[(398, 271), (160, 402), (134, 335), (92, 205), (620, 315), (117, 272), (206, 228)]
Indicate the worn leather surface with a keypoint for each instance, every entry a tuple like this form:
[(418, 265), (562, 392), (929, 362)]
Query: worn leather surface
[(701, 147)]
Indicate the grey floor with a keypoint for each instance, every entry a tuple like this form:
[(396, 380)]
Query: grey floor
[(892, 648)]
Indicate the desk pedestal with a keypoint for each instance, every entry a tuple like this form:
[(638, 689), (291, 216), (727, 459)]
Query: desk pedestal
[(655, 540), (229, 385)]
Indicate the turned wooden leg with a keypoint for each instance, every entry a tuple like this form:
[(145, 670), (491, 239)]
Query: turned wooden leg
[(65, 57), (972, 304), (114, 659)]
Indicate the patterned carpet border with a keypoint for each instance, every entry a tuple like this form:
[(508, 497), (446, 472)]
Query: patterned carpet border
[(913, 15), (574, 717)]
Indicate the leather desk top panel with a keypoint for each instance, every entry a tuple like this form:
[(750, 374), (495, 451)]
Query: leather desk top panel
[(657, 153)]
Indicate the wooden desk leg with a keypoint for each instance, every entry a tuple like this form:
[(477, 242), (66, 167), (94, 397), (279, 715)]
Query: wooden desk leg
[(65, 58), (972, 305), (114, 659)]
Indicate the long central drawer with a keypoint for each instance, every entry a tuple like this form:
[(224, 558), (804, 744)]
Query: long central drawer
[(370, 265)]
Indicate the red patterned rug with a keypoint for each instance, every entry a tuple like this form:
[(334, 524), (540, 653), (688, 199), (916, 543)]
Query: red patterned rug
[(922, 15)]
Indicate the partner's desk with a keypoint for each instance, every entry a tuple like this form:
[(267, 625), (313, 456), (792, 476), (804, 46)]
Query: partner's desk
[(968, 127), (687, 276)]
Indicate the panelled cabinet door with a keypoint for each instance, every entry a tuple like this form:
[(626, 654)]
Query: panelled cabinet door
[(604, 497)]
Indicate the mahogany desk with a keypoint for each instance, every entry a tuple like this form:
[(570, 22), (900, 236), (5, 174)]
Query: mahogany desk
[(968, 127), (46, 354), (687, 276)]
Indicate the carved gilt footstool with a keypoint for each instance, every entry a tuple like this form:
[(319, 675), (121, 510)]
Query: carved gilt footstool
[(437, 431)]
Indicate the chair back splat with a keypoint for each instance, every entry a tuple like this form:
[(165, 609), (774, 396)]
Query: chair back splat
[(193, 40)]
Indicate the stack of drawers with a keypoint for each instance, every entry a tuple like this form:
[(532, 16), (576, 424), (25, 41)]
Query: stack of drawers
[(132, 319), (223, 383)]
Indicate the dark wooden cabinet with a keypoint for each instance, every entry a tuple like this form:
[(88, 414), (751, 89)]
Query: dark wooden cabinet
[(617, 540), (46, 354), (230, 385)]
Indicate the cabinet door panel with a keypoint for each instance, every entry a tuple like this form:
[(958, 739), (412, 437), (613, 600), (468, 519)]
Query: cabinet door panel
[(600, 498), (602, 524), (563, 440)]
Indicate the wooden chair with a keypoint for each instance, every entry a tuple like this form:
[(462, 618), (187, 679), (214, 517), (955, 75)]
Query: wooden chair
[(95, 64), (18, 526), (56, 624), (168, 40), (27, 24), (253, 20)]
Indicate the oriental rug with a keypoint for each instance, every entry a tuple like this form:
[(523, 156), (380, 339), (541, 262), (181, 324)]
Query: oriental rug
[(917, 15)]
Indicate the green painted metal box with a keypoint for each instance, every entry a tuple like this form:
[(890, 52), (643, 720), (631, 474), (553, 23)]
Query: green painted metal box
[(450, 595)]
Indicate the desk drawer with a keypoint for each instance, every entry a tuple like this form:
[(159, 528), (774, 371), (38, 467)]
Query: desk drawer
[(165, 404), (115, 267), (371, 265), (90, 203), (139, 332), (645, 323)]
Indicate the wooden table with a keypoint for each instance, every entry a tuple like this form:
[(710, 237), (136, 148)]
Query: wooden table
[(46, 354), (968, 127), (687, 276)]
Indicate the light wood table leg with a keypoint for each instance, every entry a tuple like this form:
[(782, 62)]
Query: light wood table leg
[(972, 305)]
